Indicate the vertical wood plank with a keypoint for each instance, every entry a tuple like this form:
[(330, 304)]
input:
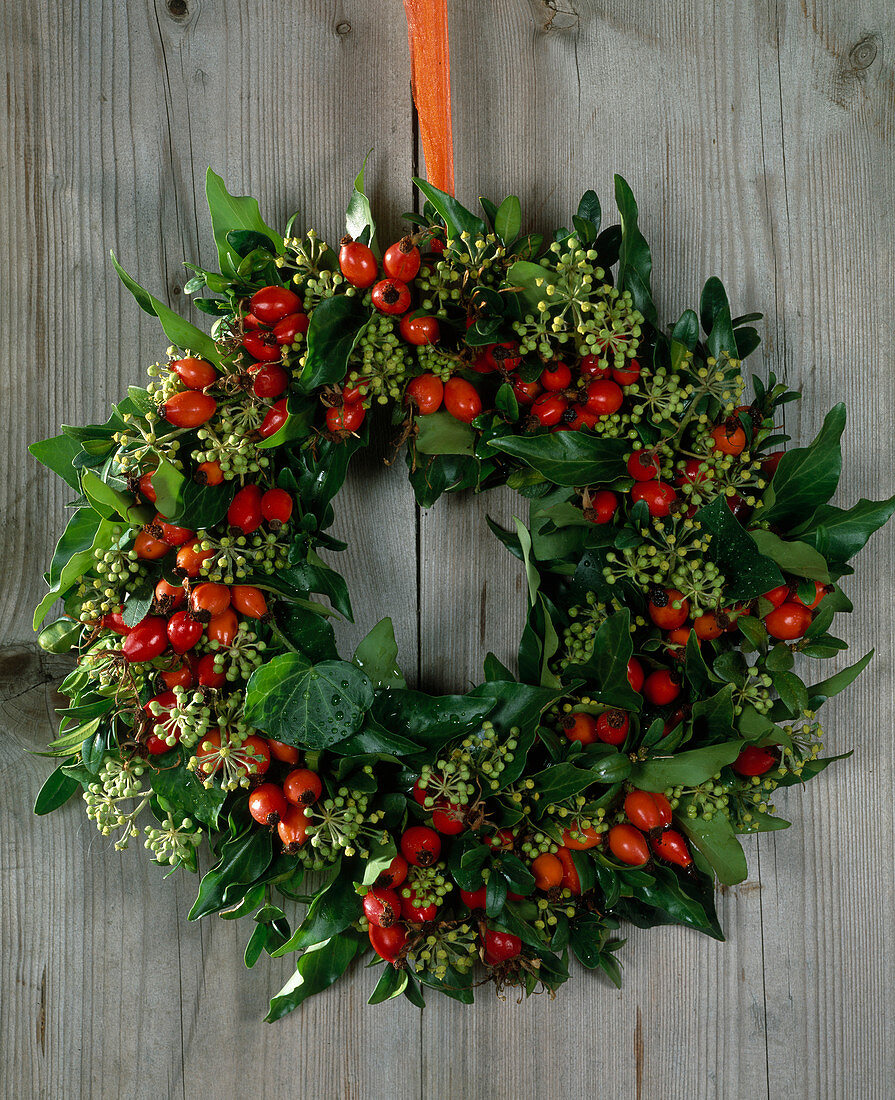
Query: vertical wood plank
[(113, 115)]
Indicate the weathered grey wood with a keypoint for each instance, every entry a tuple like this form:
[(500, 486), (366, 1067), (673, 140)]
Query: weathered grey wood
[(113, 116), (758, 140)]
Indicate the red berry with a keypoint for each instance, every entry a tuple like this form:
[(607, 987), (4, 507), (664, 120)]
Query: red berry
[(641, 810), (627, 376), (382, 907), (547, 871), (357, 263), (461, 399), (262, 345), (293, 828), (286, 754), (248, 601), (115, 622), (148, 640), (672, 847), (273, 303), (590, 367), (788, 621), (169, 533), (245, 509), (643, 466), (729, 438), (604, 398), (501, 357), (525, 392), (658, 496), (402, 260), (426, 392), (474, 899), (387, 942), (661, 687), (190, 559), (207, 675), (209, 599), (628, 845), (391, 296), (612, 727), (419, 331), (275, 419), (345, 418), (667, 608), (557, 377), (267, 804), (189, 409), (183, 631), (394, 874), (603, 506), (169, 596), (501, 946), (146, 489), (580, 727), (276, 506), (754, 760), (290, 328), (195, 374), (420, 845), (635, 674), (548, 409), (449, 819), (570, 880), (270, 382), (222, 628), (302, 786), (412, 911)]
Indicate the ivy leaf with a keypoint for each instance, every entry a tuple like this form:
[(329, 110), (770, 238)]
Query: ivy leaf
[(336, 326), (440, 433), (713, 716), (455, 216), (187, 795), (179, 331), (684, 769), (58, 454), (244, 858), (635, 262), (714, 312), (305, 704), (568, 458), (359, 215), (842, 533), (234, 212), (607, 667), (377, 656), (430, 719), (826, 689), (715, 839), (807, 476), (798, 558), (748, 572), (315, 971)]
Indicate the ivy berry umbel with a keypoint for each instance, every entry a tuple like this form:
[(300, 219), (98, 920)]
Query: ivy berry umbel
[(682, 570)]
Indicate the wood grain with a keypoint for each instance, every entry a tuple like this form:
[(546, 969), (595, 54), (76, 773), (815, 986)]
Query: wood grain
[(758, 139)]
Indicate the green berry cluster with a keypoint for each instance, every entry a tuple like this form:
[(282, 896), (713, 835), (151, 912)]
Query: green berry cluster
[(175, 842), (443, 948)]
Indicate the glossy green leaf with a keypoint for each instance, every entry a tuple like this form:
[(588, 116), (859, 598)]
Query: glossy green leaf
[(798, 558), (359, 220), (56, 791), (440, 433), (243, 859), (747, 571), (315, 971), (305, 704), (58, 454), (715, 839), (635, 262), (336, 326), (807, 476), (568, 458), (234, 212), (377, 656), (840, 533), (684, 769)]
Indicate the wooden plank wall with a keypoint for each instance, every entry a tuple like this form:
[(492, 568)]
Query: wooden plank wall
[(758, 138)]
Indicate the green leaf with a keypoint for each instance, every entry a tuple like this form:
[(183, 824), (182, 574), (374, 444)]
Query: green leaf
[(60, 636), (377, 656), (826, 689), (669, 894), (392, 983), (842, 533), (298, 423), (686, 330), (715, 839), (747, 571), (74, 556), (305, 704), (111, 502), (807, 476), (243, 859), (186, 794), (568, 458), (335, 327), (440, 433), (58, 454), (714, 310), (431, 719), (316, 970), (635, 262), (792, 692), (713, 715), (332, 911), (55, 792), (608, 664), (684, 769), (797, 558), (179, 331), (456, 217), (359, 215), (234, 212), (508, 219)]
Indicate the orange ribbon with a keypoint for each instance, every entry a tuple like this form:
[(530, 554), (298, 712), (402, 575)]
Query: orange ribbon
[(430, 74)]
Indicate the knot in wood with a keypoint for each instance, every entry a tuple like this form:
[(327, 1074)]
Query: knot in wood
[(863, 53)]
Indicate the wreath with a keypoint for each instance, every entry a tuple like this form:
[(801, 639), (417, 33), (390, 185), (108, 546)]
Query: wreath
[(683, 569)]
